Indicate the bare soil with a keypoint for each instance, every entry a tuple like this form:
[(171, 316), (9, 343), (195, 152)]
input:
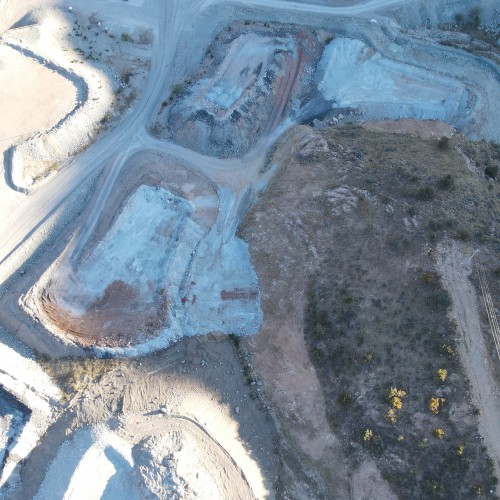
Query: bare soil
[(33, 97), (197, 387)]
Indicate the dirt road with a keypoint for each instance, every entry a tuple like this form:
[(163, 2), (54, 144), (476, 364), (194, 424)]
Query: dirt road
[(113, 150), (455, 267), (191, 405)]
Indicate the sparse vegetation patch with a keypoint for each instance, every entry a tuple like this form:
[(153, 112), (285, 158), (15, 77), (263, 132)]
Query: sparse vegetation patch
[(376, 316)]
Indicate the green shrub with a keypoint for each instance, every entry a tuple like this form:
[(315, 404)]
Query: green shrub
[(428, 277), (106, 118), (368, 435), (475, 17), (441, 374), (447, 349), (368, 357), (317, 354), (425, 194), (345, 399), (459, 19), (436, 404), (439, 433), (439, 301), (446, 182), (235, 340), (491, 171), (443, 142), (462, 235), (177, 90), (125, 77), (391, 416)]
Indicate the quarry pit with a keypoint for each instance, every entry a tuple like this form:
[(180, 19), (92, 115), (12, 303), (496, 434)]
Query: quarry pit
[(135, 240)]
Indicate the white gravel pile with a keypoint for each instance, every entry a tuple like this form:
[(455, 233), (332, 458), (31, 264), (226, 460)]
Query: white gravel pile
[(93, 463), (170, 467), (354, 75), (33, 388)]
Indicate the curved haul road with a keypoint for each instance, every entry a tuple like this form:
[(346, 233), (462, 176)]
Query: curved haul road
[(114, 148)]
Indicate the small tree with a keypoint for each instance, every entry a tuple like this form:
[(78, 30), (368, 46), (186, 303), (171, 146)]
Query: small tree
[(435, 404), (439, 433), (441, 374)]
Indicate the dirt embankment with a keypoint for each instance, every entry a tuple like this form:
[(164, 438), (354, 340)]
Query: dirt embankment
[(24, 110), (188, 405), (76, 46), (424, 129), (29, 404), (11, 11)]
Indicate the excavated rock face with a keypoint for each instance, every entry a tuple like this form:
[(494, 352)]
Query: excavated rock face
[(354, 75), (13, 418), (110, 319), (245, 92), (119, 294)]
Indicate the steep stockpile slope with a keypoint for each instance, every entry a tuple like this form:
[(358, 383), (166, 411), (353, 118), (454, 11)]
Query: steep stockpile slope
[(117, 289), (354, 75), (159, 263), (244, 89)]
